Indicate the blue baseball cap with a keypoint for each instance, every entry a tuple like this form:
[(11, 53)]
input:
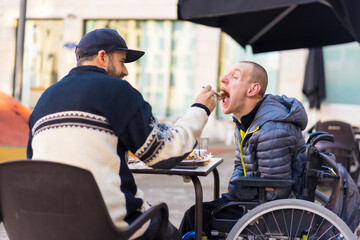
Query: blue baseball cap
[(105, 39)]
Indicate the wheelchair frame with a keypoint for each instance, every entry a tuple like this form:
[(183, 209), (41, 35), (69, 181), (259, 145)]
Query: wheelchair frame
[(288, 218)]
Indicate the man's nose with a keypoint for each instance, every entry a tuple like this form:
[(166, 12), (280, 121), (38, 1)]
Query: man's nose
[(224, 79), (125, 71)]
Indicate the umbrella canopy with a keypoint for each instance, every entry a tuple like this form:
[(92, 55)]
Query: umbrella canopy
[(278, 24), (314, 80)]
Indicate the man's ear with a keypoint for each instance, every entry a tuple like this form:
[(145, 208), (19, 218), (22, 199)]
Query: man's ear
[(253, 89), (102, 58)]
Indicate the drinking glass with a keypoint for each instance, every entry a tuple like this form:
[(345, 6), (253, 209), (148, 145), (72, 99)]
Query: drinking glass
[(202, 147)]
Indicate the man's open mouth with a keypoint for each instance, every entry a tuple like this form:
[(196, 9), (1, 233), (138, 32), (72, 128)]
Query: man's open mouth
[(222, 95)]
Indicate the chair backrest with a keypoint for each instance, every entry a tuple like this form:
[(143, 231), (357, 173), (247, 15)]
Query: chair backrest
[(344, 147), (42, 200), (344, 137)]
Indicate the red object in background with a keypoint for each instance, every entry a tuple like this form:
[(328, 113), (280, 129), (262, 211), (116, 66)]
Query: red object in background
[(14, 117)]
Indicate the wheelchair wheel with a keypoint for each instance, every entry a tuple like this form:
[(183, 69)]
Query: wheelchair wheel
[(290, 219)]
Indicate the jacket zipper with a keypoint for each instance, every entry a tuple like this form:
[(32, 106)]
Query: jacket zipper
[(243, 135)]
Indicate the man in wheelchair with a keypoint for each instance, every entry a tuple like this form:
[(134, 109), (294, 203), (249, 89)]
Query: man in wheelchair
[(269, 140)]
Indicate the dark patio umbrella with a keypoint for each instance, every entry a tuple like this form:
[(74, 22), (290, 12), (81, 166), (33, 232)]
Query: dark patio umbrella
[(278, 24), (314, 80)]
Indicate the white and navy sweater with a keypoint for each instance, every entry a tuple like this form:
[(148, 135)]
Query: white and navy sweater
[(91, 120)]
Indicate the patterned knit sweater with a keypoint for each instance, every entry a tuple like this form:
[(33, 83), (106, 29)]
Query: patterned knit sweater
[(91, 120)]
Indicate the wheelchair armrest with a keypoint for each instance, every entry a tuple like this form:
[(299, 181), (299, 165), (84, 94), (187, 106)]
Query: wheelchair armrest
[(262, 182), (329, 159)]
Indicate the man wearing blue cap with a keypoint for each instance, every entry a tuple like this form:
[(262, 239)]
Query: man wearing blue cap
[(92, 119)]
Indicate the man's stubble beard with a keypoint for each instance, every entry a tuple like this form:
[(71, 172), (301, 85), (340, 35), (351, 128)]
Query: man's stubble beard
[(112, 71)]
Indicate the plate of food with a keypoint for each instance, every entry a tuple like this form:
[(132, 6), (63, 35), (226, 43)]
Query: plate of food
[(193, 159)]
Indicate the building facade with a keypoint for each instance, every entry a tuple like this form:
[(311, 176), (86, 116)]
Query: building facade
[(180, 58)]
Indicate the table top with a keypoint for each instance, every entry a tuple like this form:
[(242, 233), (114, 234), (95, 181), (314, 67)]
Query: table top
[(202, 169)]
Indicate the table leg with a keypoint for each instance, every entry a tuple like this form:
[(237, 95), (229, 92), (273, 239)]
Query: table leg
[(198, 207), (216, 184)]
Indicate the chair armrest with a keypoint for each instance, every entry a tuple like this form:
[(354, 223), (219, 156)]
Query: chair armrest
[(262, 182), (160, 211)]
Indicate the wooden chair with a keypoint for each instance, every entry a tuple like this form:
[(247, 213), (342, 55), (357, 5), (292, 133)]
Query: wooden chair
[(42, 200)]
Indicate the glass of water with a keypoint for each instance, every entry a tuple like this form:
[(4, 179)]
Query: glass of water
[(202, 147)]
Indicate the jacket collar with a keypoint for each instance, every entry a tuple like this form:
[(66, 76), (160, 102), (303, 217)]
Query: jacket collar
[(247, 119)]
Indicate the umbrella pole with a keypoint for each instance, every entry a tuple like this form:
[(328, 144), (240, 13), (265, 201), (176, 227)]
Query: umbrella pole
[(19, 51)]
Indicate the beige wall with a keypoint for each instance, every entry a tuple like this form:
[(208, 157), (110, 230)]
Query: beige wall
[(292, 63)]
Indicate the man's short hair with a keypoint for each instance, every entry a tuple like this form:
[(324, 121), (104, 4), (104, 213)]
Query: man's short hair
[(258, 75), (81, 60)]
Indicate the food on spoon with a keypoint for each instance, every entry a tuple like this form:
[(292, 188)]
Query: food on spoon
[(222, 95)]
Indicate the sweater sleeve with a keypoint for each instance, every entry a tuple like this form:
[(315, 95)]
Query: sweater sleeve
[(161, 145), (157, 144)]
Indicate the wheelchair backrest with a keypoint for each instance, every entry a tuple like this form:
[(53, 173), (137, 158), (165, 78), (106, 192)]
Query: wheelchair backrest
[(315, 160)]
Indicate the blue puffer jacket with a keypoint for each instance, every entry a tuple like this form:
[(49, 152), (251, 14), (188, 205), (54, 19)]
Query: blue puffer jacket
[(272, 147)]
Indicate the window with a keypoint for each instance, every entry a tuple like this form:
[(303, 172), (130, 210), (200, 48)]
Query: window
[(41, 55), (162, 74), (342, 73)]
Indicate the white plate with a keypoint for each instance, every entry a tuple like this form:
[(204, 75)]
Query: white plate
[(193, 161)]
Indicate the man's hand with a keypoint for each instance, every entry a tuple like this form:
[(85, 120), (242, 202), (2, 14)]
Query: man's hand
[(207, 98)]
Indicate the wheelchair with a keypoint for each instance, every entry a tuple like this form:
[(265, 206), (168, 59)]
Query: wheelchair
[(298, 219)]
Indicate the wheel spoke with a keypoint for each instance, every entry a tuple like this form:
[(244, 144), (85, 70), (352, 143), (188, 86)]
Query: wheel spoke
[(297, 230), (249, 230), (327, 230), (310, 225), (266, 225), (321, 224), (277, 224), (258, 228), (283, 215)]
